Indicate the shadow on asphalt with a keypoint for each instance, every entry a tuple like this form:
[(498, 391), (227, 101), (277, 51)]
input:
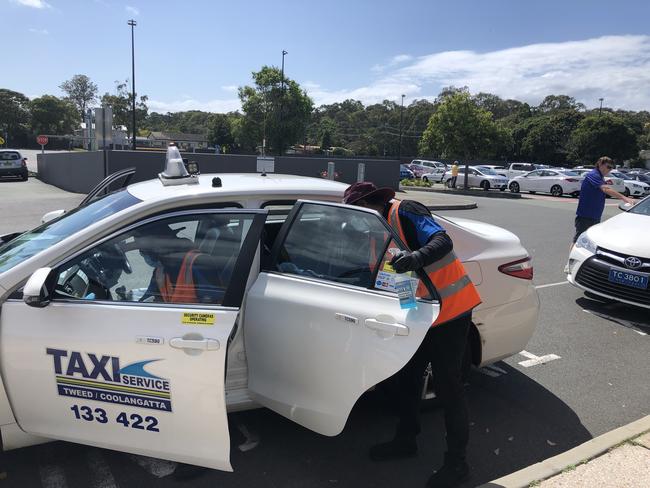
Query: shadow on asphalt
[(515, 422), (629, 316)]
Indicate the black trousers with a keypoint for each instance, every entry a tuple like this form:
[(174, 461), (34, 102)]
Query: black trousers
[(443, 346), (582, 224)]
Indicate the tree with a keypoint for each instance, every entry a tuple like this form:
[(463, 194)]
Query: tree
[(602, 135), (273, 113), (14, 116), (220, 131), (459, 129), (554, 103), (121, 104), (52, 115), (81, 92)]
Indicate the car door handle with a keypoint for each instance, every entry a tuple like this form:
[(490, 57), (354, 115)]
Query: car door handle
[(195, 344), (393, 328)]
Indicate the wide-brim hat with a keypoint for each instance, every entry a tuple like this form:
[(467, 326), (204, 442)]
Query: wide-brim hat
[(364, 190)]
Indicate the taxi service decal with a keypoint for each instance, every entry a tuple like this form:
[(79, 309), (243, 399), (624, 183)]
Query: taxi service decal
[(86, 375)]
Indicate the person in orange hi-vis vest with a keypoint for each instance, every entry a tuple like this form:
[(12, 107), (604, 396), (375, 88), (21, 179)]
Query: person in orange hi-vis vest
[(430, 249)]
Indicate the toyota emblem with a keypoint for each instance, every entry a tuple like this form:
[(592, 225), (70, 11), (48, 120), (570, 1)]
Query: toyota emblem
[(632, 262)]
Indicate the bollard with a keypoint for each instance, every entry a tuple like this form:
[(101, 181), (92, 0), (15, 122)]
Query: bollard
[(330, 170), (361, 172)]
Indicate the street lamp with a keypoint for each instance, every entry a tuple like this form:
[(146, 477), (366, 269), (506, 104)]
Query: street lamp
[(281, 127), (401, 115), (601, 106), (133, 23)]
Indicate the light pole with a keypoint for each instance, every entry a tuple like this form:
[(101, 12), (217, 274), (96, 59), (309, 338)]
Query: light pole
[(601, 106), (281, 126), (133, 23), (401, 114)]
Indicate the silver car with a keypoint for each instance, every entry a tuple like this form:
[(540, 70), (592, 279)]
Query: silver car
[(12, 163), (478, 177)]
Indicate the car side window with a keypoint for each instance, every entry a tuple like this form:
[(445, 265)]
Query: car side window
[(534, 173), (180, 259), (336, 244), (517, 167)]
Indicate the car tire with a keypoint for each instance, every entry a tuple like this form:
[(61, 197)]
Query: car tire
[(532, 192), (448, 183), (502, 189), (424, 178), (557, 191), (485, 184), (575, 194), (24, 177), (626, 192), (514, 187)]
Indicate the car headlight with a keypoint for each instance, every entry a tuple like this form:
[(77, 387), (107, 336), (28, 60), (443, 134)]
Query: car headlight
[(585, 243)]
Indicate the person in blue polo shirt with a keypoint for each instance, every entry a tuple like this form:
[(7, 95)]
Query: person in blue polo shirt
[(592, 196)]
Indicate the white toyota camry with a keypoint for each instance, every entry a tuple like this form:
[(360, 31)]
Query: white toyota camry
[(612, 259), (278, 302)]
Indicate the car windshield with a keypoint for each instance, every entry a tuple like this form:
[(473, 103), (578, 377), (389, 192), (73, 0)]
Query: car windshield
[(32, 242), (643, 178), (487, 171), (643, 207)]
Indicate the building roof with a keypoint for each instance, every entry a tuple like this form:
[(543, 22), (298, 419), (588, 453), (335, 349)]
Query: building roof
[(177, 136)]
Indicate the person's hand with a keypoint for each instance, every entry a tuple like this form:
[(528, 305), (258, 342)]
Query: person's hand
[(628, 200), (405, 261)]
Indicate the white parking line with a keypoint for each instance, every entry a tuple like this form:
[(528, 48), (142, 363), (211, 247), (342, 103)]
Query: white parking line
[(100, 472), (551, 284), (52, 476), (534, 360)]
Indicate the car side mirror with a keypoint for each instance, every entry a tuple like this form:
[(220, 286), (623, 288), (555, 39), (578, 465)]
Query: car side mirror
[(39, 287), (54, 214), (625, 206)]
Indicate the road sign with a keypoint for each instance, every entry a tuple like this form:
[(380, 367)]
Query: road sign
[(42, 140), (2, 141)]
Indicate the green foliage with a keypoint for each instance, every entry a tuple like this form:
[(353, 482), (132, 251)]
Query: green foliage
[(275, 110), (220, 130), (121, 103), (14, 116), (602, 135), (415, 182), (52, 115), (81, 92), (460, 130)]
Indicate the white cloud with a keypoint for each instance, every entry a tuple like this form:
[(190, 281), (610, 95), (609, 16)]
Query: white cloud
[(43, 32), (33, 3), (218, 106), (394, 61), (616, 68), (229, 88), (132, 10)]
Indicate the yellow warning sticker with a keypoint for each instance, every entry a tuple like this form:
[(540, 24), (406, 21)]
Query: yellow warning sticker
[(194, 318)]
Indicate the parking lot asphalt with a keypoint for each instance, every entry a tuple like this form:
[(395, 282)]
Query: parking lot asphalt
[(591, 378)]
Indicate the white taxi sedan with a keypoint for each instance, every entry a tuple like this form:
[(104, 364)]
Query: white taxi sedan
[(612, 259), (278, 302)]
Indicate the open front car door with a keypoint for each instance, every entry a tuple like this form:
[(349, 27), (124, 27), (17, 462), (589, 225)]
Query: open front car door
[(118, 354), (324, 324)]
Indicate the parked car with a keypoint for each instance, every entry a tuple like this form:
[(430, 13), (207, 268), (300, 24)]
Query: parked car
[(405, 173), (478, 177), (515, 169), (13, 164), (288, 304), (435, 175), (614, 182), (556, 182), (634, 186), (423, 166), (611, 260)]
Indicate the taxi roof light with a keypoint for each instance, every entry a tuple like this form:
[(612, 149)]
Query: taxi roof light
[(175, 172)]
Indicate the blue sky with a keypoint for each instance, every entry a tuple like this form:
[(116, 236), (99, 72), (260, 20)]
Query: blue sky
[(193, 54)]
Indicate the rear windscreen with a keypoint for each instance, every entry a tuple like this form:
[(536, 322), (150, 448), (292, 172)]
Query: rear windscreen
[(9, 156)]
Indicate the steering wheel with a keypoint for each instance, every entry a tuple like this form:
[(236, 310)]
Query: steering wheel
[(121, 255)]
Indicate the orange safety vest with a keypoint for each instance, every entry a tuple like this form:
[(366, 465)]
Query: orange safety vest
[(184, 291), (458, 295)]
